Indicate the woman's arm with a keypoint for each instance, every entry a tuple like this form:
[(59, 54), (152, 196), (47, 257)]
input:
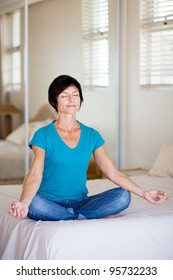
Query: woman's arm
[(31, 184), (107, 167)]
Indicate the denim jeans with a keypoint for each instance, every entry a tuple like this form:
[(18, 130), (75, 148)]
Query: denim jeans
[(91, 207)]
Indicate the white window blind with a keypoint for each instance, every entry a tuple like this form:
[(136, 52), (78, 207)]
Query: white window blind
[(156, 43), (95, 27), (11, 51)]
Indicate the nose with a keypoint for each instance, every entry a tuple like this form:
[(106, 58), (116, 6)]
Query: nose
[(70, 98)]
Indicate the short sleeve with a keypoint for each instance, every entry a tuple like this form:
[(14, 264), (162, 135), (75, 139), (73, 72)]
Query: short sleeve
[(98, 140), (38, 139)]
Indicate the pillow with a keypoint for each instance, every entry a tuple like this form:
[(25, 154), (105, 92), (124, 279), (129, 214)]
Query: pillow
[(18, 135), (163, 165), (34, 126)]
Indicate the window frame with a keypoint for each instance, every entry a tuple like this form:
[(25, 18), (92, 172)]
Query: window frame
[(95, 69), (10, 50), (148, 27)]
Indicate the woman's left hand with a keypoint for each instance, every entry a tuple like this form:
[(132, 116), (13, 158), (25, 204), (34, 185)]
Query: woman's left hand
[(155, 197)]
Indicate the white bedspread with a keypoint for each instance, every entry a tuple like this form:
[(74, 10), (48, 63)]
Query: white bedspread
[(144, 231)]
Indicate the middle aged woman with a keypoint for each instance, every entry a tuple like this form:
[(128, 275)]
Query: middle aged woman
[(55, 186)]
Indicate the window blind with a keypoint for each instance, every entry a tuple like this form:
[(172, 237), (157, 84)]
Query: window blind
[(95, 27), (156, 43), (11, 45)]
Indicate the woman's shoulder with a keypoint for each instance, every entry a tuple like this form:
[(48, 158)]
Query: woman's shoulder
[(48, 125), (87, 128), (45, 128), (42, 134), (84, 126), (92, 134)]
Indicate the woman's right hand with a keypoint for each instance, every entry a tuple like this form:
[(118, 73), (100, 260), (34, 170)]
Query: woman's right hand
[(18, 209)]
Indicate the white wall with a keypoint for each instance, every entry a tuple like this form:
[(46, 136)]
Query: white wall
[(55, 47), (149, 114)]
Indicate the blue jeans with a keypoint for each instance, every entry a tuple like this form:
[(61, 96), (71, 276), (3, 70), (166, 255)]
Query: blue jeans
[(91, 207)]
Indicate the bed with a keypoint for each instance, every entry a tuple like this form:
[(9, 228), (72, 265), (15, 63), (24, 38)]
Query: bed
[(143, 231), (12, 149)]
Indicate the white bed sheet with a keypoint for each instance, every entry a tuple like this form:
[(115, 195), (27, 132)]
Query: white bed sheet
[(144, 231)]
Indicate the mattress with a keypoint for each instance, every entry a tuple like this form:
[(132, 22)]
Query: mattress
[(143, 231)]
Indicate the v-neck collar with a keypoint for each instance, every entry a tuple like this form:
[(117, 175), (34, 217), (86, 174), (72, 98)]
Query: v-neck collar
[(62, 141)]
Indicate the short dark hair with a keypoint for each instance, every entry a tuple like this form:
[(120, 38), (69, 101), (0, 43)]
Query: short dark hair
[(58, 85)]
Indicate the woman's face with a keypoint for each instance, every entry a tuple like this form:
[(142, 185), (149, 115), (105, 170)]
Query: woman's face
[(69, 100)]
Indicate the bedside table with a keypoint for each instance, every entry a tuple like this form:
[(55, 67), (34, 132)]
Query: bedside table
[(7, 111), (93, 170)]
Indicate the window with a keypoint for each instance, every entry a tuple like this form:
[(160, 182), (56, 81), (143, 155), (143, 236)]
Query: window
[(11, 51), (156, 43), (95, 27)]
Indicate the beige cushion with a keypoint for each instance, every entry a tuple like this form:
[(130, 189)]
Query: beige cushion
[(163, 165), (18, 135)]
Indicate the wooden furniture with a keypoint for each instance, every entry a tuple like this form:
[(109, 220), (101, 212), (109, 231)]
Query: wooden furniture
[(7, 110), (93, 170)]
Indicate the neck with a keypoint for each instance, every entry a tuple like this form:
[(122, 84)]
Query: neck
[(67, 124)]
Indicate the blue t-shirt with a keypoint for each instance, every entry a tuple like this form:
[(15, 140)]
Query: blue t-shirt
[(65, 168)]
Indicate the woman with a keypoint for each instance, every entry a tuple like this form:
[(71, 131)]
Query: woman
[(55, 186)]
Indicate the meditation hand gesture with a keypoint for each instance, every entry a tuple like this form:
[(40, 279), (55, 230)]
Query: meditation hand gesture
[(18, 209), (155, 197)]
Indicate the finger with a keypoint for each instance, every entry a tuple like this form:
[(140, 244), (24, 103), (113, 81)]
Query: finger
[(151, 200), (12, 204), (23, 214), (162, 193), (164, 197), (10, 212), (162, 200), (18, 212), (14, 211)]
